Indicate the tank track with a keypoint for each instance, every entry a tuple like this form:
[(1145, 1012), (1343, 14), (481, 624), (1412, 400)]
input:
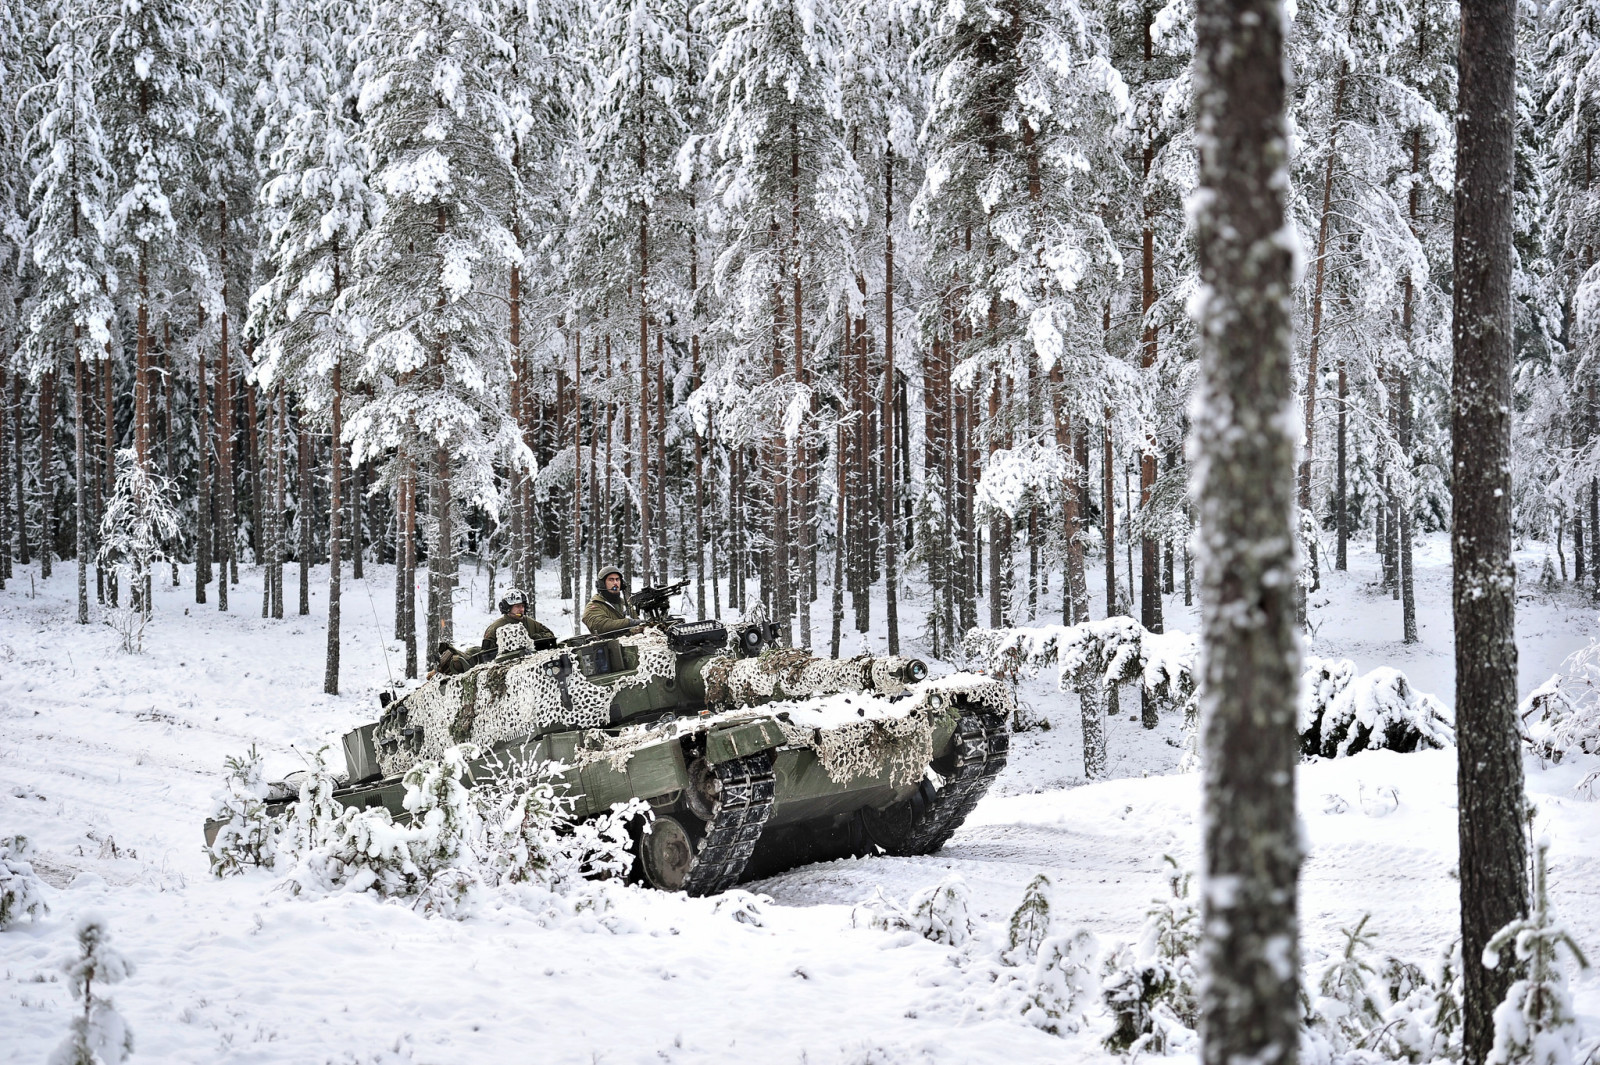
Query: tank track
[(926, 821), (731, 835)]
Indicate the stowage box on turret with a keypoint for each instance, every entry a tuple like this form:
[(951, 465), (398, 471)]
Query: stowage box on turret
[(753, 758)]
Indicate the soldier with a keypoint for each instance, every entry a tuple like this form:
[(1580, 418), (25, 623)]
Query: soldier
[(610, 610), (513, 609)]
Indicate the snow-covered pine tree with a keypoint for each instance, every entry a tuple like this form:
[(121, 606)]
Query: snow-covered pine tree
[(1030, 921), (1535, 1025), (1566, 395), (783, 175), (1025, 108), (320, 204), (635, 121), (70, 192), (430, 269), (148, 85), (99, 1035), (247, 835), (942, 913), (138, 525), (20, 887)]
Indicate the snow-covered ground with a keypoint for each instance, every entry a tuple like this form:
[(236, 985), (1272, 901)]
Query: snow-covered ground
[(109, 763)]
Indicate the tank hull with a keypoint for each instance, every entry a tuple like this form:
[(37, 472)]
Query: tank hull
[(748, 766)]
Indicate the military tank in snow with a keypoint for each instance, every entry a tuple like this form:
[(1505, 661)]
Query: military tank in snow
[(754, 758)]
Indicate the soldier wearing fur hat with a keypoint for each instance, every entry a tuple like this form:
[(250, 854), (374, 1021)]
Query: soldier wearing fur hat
[(610, 610)]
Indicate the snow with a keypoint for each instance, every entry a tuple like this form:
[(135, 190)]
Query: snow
[(110, 763)]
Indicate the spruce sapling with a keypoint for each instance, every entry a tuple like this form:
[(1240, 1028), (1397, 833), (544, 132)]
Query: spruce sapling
[(99, 1036), (1152, 987), (21, 890), (943, 913), (248, 835), (1348, 1010), (1030, 923), (1536, 1025), (1063, 983)]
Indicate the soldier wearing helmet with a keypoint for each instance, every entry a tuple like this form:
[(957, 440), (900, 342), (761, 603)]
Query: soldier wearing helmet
[(514, 609), (610, 610)]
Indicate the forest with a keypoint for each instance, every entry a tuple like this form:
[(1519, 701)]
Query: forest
[(786, 298)]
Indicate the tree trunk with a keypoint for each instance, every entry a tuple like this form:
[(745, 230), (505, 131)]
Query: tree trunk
[(1493, 859), (224, 397), (408, 599), (1408, 599), (890, 561), (1341, 503), (1149, 550), (1108, 504), (80, 489), (1316, 302), (1249, 949), (305, 510), (7, 432), (330, 678), (47, 472)]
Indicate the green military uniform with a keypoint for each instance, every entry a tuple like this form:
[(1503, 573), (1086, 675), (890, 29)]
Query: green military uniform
[(602, 615), (536, 631)]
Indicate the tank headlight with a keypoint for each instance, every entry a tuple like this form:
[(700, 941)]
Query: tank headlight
[(936, 700)]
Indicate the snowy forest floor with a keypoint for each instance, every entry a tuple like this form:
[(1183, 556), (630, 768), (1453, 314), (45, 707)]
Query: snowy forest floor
[(109, 763)]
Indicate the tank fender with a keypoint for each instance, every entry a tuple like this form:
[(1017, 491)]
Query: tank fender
[(724, 745)]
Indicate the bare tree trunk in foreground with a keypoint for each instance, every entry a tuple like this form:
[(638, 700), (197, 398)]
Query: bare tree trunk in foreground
[(1250, 956), (1494, 857)]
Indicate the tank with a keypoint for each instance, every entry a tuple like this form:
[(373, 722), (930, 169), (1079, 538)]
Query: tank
[(753, 758)]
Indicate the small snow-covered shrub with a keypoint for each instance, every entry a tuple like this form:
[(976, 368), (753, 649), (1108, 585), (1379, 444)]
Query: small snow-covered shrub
[(530, 836), (1063, 983), (248, 834), (510, 830), (314, 812), (1152, 987), (1029, 926), (1423, 1022), (1536, 1025), (1386, 1009), (880, 912), (21, 890), (1347, 1009), (1561, 718), (943, 913), (1342, 713), (138, 524), (99, 1035)]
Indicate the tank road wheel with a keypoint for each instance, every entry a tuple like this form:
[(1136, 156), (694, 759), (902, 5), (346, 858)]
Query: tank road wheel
[(923, 823), (667, 853)]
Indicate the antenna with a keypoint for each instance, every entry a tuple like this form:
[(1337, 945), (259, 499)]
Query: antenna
[(383, 644)]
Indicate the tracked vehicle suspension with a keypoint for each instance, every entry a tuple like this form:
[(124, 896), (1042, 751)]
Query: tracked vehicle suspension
[(926, 821)]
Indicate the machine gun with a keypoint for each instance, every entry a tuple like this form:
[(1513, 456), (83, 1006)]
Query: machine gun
[(652, 603)]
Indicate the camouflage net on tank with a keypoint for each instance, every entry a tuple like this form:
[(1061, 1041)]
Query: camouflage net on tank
[(863, 748), (656, 660), (514, 697), (790, 673)]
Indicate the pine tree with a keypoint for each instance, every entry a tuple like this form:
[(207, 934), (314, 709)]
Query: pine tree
[(1249, 949), (321, 204), (1493, 849), (70, 191), (429, 267), (99, 1035)]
